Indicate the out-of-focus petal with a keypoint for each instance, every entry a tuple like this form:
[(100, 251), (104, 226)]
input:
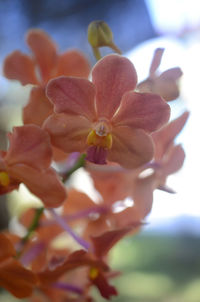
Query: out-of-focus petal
[(18, 66), (157, 57), (44, 184), (29, 145), (172, 73), (113, 76), (73, 63), (103, 243), (17, 279), (142, 110), (164, 137), (7, 249), (176, 156), (131, 147), (45, 52), (77, 201), (38, 107), (68, 132), (72, 95)]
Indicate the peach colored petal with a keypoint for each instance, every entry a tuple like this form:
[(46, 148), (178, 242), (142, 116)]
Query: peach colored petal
[(29, 145), (45, 52), (77, 201), (38, 107), (44, 184), (7, 249), (142, 110), (73, 63), (68, 132), (164, 137), (72, 95), (17, 279), (131, 147), (18, 66), (113, 76), (157, 57), (176, 156)]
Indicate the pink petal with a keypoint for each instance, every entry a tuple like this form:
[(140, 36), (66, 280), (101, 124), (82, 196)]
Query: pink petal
[(172, 73), (142, 110), (68, 132), (73, 63), (72, 95), (29, 145), (176, 156), (157, 57), (45, 53), (38, 107), (18, 66), (131, 147), (113, 76), (44, 184), (165, 136)]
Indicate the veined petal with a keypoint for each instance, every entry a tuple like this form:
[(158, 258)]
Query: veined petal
[(29, 145), (38, 107), (45, 52), (142, 110), (18, 66), (68, 132), (131, 147), (73, 63), (44, 184), (72, 95), (113, 76)]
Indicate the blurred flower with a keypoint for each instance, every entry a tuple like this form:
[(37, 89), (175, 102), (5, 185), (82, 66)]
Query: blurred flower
[(44, 64), (13, 276), (164, 84), (105, 118), (28, 161)]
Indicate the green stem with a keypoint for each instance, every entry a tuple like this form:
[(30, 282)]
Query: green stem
[(96, 53), (79, 163)]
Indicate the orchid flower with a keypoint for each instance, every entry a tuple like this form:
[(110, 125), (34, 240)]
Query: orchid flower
[(165, 84), (28, 161), (105, 117), (44, 64)]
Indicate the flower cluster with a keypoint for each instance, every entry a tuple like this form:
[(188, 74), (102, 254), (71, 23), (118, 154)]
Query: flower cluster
[(102, 120)]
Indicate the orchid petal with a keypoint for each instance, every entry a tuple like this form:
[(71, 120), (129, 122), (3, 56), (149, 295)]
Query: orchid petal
[(73, 63), (29, 145), (7, 249), (131, 147), (44, 50), (157, 57), (113, 76), (164, 137), (142, 110), (17, 279), (44, 184), (38, 107), (18, 66), (68, 132), (72, 95)]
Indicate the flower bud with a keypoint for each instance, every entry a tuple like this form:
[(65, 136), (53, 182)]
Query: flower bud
[(99, 34)]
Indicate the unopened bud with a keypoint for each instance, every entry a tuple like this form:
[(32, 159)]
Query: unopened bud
[(99, 35)]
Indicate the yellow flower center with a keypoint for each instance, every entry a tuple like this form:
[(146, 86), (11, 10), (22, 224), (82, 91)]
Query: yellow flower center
[(4, 179), (93, 273), (100, 136)]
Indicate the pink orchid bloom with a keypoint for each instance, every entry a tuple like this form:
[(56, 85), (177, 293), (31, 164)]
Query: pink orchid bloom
[(105, 117), (28, 161), (37, 69), (166, 83)]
